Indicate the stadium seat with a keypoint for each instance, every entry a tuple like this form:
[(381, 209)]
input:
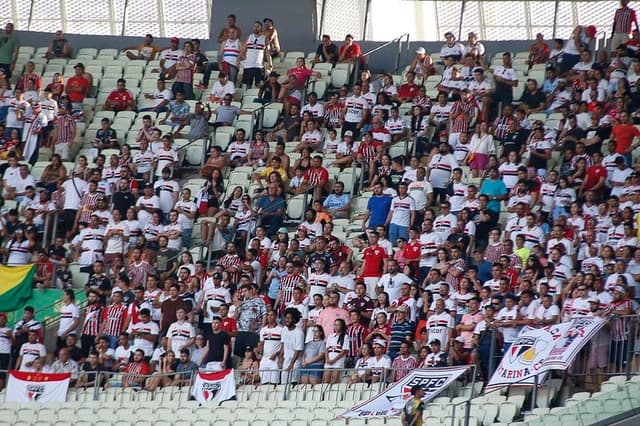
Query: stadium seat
[(339, 77)]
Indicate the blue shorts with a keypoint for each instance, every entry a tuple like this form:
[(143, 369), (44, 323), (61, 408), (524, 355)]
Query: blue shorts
[(313, 370)]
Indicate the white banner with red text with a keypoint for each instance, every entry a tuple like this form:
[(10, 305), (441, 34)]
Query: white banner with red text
[(539, 350), (25, 386), (217, 387), (391, 401)]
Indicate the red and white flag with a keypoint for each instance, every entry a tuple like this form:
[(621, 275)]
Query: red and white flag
[(219, 386), (37, 387)]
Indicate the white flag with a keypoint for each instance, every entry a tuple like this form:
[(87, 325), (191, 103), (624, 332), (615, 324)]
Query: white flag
[(391, 401), (219, 386), (37, 387)]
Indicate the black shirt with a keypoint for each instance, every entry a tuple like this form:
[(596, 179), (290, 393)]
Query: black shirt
[(122, 201), (217, 341), (56, 253), (513, 142), (100, 283), (331, 49), (603, 132), (533, 100)]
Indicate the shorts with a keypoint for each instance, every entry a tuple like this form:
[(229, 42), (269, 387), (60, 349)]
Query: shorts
[(252, 75), (313, 370), (62, 149), (5, 359), (269, 371)]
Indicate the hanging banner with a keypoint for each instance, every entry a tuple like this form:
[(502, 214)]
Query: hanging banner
[(575, 338), (217, 387), (392, 400), (37, 387), (538, 350)]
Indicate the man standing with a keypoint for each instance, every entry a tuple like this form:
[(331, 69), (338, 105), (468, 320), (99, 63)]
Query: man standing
[(378, 207), (373, 261), (69, 317), (292, 347), (92, 320), (401, 215), (270, 347), (253, 53), (8, 51), (251, 315), (413, 408), (622, 25), (181, 334)]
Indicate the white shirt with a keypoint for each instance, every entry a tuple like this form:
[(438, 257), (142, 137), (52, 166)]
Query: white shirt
[(29, 352), (115, 244), (180, 335), (391, 284), (272, 340), (401, 210), (293, 341), (68, 314), (73, 191), (219, 90), (148, 328), (444, 224), (438, 326), (508, 333)]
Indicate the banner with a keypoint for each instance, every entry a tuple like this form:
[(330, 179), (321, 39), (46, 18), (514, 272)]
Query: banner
[(536, 351), (567, 347), (392, 400), (219, 386), (37, 387), (16, 286)]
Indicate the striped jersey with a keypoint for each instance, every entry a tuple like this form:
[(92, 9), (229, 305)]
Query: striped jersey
[(231, 51), (272, 340), (114, 318), (92, 319), (459, 110), (623, 20), (255, 51), (356, 108)]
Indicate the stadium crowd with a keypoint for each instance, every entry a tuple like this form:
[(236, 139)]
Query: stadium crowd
[(513, 211)]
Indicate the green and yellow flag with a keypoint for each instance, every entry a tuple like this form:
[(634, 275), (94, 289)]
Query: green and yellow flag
[(16, 283)]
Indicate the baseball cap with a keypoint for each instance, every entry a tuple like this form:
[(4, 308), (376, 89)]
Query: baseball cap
[(449, 34), (148, 185), (593, 299), (282, 230), (348, 133), (79, 65), (176, 39), (402, 308), (380, 342), (421, 51), (443, 133), (116, 290), (217, 276), (435, 342), (274, 74), (248, 348), (459, 339), (619, 288)]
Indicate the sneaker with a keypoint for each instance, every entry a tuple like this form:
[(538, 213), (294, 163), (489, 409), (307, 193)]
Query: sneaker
[(201, 86)]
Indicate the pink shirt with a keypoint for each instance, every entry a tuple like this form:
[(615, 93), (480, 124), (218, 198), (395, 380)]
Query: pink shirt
[(468, 319), (328, 316)]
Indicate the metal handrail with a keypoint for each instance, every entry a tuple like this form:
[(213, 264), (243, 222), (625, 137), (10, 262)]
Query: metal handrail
[(399, 40)]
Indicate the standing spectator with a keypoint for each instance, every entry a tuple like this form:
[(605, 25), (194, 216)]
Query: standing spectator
[(93, 315), (251, 315), (184, 72), (114, 318), (292, 347), (69, 317), (623, 21), (401, 331), (9, 46), (337, 349), (253, 53)]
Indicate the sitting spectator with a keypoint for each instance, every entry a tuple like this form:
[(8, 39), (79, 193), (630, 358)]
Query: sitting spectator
[(162, 96), (327, 51), (64, 364), (136, 370), (120, 99), (59, 47), (145, 51), (90, 371), (177, 113), (222, 87)]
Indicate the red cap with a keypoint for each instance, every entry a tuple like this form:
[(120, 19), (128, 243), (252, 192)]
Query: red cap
[(443, 133), (176, 39)]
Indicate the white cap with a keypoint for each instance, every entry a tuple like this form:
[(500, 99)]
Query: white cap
[(459, 339), (420, 51), (380, 342)]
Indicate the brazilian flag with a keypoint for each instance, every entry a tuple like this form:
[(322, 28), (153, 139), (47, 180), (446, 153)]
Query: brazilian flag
[(16, 283)]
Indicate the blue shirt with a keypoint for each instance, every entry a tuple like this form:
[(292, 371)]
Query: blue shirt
[(335, 202), (493, 188), (378, 207), (269, 206)]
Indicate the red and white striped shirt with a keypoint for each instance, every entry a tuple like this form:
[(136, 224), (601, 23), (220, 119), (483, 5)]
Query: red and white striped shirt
[(114, 317), (64, 128), (623, 20), (92, 319)]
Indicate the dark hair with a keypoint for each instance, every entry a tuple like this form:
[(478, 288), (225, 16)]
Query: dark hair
[(295, 314)]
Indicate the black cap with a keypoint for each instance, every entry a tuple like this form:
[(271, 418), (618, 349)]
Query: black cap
[(148, 185), (248, 348), (217, 276)]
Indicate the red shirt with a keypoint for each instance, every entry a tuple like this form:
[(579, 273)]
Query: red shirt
[(623, 134), (302, 74), (412, 251), (76, 82), (352, 51), (120, 100), (315, 176), (373, 258), (408, 90), (594, 173), (229, 325)]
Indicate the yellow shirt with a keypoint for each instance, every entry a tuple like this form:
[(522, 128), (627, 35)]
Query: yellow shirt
[(268, 170)]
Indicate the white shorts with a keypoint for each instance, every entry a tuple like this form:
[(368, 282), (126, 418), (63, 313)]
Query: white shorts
[(294, 376), (371, 283), (269, 371), (62, 149)]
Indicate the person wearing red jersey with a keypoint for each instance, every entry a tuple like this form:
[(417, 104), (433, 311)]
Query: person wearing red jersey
[(623, 134), (596, 177), (369, 152), (120, 99), (136, 370), (78, 87), (373, 260), (316, 177), (114, 318)]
